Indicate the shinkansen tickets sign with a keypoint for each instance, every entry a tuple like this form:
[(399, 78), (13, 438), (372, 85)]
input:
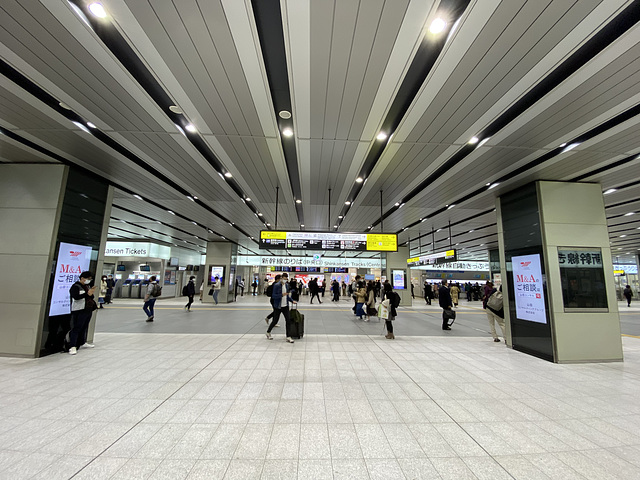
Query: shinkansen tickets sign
[(357, 242)]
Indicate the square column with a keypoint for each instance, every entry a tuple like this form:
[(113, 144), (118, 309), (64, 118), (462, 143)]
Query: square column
[(559, 289), (221, 255)]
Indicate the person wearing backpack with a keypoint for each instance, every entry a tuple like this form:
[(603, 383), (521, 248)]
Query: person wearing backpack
[(189, 290), (82, 306), (393, 300), (269, 293), (495, 311), (153, 292)]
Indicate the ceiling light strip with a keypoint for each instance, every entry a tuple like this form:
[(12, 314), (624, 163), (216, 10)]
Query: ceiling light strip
[(613, 30), (127, 56), (268, 19), (421, 65)]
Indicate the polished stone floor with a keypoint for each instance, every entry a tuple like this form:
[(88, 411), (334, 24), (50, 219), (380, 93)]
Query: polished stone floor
[(443, 405)]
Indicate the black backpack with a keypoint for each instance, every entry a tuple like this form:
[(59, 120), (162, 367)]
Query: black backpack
[(156, 291), (185, 290), (270, 290), (395, 300)]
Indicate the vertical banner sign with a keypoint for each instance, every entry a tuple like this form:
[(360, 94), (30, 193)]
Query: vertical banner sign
[(527, 279), (72, 261)]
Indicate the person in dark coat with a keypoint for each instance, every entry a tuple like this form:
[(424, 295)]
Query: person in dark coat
[(427, 293), (628, 294), (191, 292), (444, 298), (314, 289), (111, 284)]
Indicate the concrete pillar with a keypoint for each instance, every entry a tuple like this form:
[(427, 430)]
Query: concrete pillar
[(40, 207), (221, 254), (559, 273), (397, 261)]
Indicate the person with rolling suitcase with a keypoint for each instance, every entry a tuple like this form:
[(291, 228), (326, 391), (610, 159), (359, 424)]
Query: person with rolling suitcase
[(444, 299), (281, 300), (296, 327)]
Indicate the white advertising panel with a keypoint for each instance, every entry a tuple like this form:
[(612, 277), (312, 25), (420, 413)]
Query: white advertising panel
[(398, 279), (72, 261), (527, 279)]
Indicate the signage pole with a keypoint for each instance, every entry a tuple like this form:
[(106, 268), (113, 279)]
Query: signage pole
[(419, 244), (433, 239), (381, 227), (277, 192), (329, 218), (450, 240)]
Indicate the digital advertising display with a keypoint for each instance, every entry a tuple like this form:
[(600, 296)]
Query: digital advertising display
[(398, 279), (529, 295), (72, 261), (217, 271), (357, 242)]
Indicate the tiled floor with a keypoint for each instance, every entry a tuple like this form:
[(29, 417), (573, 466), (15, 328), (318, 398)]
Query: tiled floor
[(175, 406)]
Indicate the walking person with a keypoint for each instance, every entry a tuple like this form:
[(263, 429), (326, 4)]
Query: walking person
[(335, 286), (254, 285), (269, 293), (82, 306), (324, 287), (103, 291), (495, 312), (628, 294), (281, 300), (241, 287), (412, 295), (361, 297), (201, 289), (428, 294), (455, 292), (390, 300), (216, 289), (191, 292), (370, 305), (314, 290), (354, 289), (344, 289), (444, 299), (153, 292)]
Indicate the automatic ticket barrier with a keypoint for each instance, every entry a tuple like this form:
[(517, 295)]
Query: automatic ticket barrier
[(135, 289), (143, 288), (126, 289)]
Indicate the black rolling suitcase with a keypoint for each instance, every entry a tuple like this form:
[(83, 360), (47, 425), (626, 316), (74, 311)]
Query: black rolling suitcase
[(297, 323)]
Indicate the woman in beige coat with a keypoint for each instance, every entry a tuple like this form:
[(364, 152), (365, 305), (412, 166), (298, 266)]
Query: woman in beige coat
[(455, 292)]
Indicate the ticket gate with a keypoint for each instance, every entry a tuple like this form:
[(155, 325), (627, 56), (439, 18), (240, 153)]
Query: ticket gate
[(135, 289), (126, 289), (143, 288)]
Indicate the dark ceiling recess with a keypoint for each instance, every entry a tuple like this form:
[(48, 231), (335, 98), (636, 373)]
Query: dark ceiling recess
[(421, 65), (22, 81), (590, 49), (269, 24), (115, 42), (594, 132)]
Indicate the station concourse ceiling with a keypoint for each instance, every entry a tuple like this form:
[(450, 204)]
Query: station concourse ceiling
[(197, 111)]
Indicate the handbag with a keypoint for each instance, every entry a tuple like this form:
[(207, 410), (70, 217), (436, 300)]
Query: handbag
[(211, 291), (449, 315), (383, 311)]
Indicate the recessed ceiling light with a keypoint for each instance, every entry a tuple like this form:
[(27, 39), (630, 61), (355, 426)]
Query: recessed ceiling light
[(91, 125), (493, 185), (190, 128), (347, 202), (629, 214), (483, 141), (335, 226), (471, 231), (563, 145), (287, 132), (81, 126), (247, 199), (569, 147), (382, 136), (190, 198), (97, 9), (302, 225), (210, 231), (176, 109), (137, 196), (359, 180), (259, 214), (449, 207), (474, 140), (64, 105), (340, 217), (401, 205), (437, 26), (438, 230), (284, 114), (298, 201), (611, 190), (228, 174), (622, 236), (170, 212), (194, 223), (397, 204), (268, 224)]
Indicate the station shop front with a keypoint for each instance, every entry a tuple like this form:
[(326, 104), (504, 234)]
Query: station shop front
[(263, 269), (461, 272), (132, 264)]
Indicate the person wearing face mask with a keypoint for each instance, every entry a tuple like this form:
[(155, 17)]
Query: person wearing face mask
[(82, 306), (281, 300), (111, 283), (103, 291)]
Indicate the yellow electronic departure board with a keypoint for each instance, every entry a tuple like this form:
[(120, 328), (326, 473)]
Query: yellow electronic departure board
[(359, 242)]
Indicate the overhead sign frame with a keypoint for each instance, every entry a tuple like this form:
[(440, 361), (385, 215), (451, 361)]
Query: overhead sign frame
[(447, 256), (328, 241)]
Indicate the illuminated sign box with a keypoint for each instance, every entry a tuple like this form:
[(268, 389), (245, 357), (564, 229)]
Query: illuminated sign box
[(434, 258), (332, 241)]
